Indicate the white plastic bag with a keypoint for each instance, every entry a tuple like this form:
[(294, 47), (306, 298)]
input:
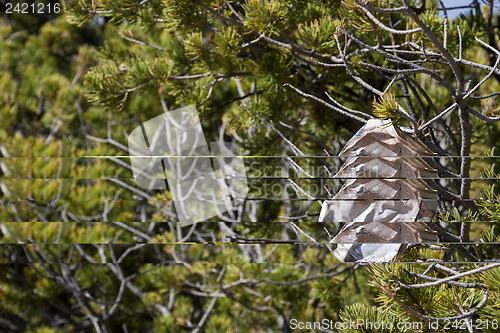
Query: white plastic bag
[(384, 201)]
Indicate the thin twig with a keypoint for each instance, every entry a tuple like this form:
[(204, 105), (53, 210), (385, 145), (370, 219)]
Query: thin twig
[(328, 105), (140, 42), (453, 277)]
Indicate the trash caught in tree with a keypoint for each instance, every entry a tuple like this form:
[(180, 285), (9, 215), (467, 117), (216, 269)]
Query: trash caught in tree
[(385, 200)]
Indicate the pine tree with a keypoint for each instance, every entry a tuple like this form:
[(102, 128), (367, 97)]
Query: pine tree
[(284, 78)]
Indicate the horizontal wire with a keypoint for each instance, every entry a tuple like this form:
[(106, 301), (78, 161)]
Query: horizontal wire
[(202, 177), (291, 199), (286, 156), (248, 156), (281, 217), (218, 221), (279, 242)]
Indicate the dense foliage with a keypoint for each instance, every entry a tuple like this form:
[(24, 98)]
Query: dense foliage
[(85, 249)]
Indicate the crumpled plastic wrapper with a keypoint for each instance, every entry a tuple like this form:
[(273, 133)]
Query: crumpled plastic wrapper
[(384, 202)]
